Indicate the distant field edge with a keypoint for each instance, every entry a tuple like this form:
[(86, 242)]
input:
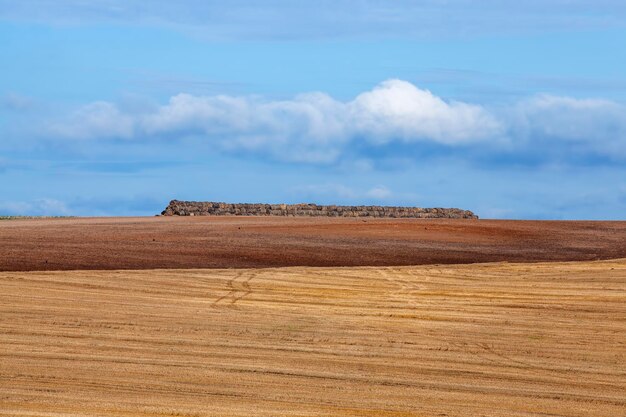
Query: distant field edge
[(216, 242)]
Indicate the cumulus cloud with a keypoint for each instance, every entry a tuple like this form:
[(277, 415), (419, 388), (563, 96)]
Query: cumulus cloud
[(311, 127), (586, 125), (95, 120), (399, 110), (331, 192), (379, 193), (394, 119)]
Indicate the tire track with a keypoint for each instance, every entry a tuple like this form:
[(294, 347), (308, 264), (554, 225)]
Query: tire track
[(238, 289)]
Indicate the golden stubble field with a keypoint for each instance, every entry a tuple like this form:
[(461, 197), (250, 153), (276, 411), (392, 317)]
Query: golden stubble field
[(468, 340)]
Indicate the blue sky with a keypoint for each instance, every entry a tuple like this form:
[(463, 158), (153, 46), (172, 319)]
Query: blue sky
[(512, 110)]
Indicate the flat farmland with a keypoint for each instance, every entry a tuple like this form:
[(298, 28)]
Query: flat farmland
[(498, 339), (254, 242)]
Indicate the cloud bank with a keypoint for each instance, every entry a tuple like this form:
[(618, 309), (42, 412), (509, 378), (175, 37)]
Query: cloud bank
[(394, 117), (311, 127)]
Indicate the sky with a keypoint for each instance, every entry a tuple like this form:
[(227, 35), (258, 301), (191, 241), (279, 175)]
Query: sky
[(510, 109)]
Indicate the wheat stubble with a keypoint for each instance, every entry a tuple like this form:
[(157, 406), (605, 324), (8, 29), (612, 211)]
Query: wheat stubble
[(467, 340)]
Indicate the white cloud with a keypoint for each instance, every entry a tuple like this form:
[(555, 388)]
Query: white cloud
[(316, 128), (334, 192), (394, 110), (311, 127), (324, 191), (592, 124), (379, 193), (399, 110), (96, 120)]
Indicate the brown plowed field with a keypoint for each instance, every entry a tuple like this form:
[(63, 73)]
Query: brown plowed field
[(250, 242), (509, 340)]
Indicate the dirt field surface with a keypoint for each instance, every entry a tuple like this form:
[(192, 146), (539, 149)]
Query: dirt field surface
[(501, 339), (249, 242)]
